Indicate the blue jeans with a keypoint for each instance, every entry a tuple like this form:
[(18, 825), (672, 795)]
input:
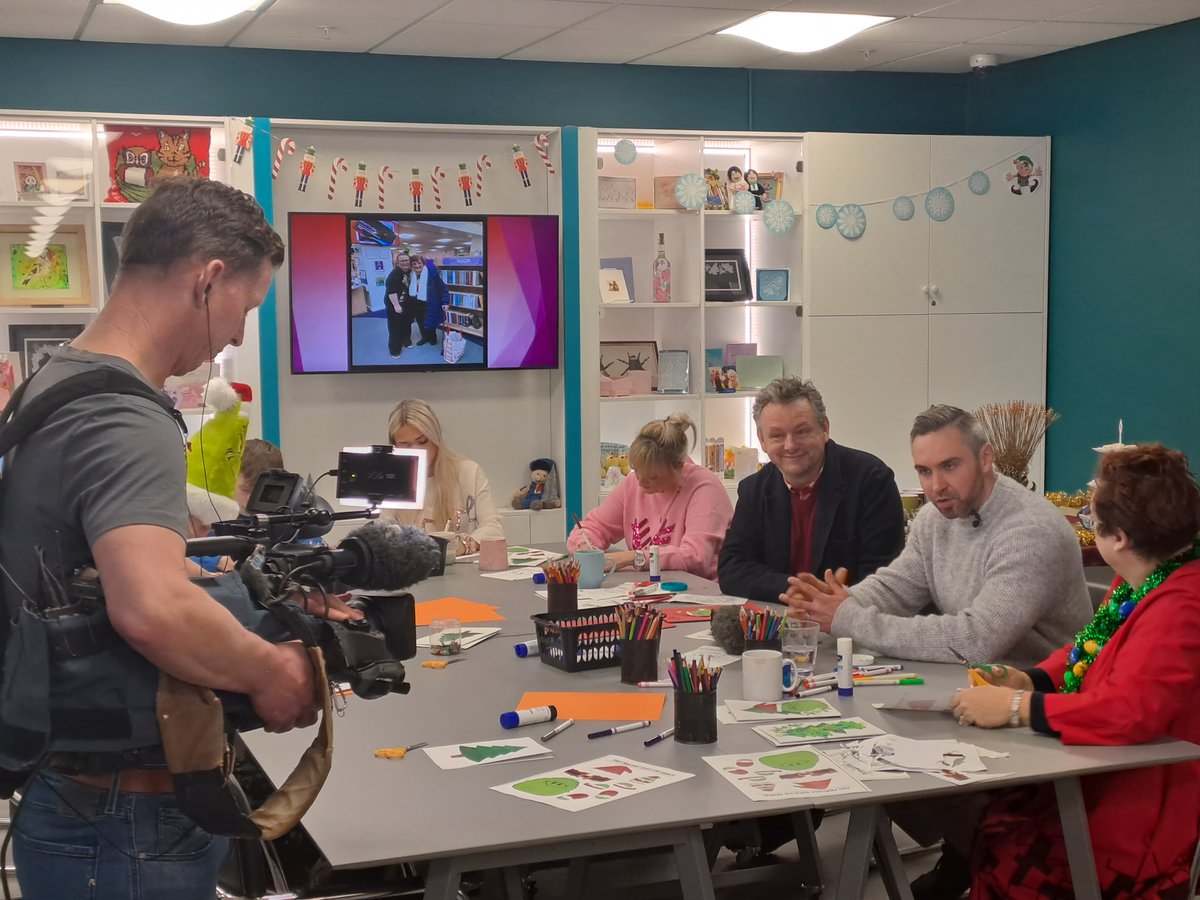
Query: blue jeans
[(75, 842)]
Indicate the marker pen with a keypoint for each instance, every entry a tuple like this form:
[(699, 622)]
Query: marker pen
[(527, 648), (557, 731), (666, 682), (620, 729), (845, 680), (823, 689), (658, 737), (533, 716)]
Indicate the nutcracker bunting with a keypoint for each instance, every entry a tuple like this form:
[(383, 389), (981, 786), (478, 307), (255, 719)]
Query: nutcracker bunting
[(360, 184), (464, 182), (308, 165), (521, 164), (416, 187), (244, 140), (385, 174)]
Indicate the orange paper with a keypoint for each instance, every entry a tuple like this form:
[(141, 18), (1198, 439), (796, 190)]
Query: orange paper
[(597, 707), (456, 608)]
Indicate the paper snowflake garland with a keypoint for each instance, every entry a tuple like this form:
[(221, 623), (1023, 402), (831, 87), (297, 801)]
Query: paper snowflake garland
[(851, 221), (625, 152), (690, 191), (826, 215), (939, 204), (778, 216), (903, 208), (742, 202), (979, 183)]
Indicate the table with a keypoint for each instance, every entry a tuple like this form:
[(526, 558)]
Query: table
[(378, 812)]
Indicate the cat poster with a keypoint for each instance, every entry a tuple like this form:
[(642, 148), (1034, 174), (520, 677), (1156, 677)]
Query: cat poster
[(140, 156), (592, 783)]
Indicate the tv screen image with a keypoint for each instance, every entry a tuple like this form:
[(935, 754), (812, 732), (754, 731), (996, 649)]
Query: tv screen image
[(482, 294)]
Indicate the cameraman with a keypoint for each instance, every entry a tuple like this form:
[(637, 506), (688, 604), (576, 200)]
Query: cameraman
[(102, 481)]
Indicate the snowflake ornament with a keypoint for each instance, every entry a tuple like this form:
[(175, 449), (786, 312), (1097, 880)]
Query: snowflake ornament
[(903, 208), (778, 216), (826, 215), (742, 202), (851, 221), (979, 183), (625, 152), (690, 191), (939, 204)]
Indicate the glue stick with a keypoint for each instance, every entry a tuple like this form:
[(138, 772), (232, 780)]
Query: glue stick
[(845, 670), (527, 648), (532, 716), (655, 573)]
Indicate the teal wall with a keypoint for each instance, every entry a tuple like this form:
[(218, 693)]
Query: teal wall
[(1124, 338)]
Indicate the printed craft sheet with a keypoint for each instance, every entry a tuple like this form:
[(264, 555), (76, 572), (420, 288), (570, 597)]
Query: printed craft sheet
[(800, 708), (468, 637), (592, 783), (951, 761), (916, 703), (712, 655), (468, 754), (784, 734), (785, 775)]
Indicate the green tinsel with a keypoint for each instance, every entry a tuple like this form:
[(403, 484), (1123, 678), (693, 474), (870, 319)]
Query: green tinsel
[(1109, 617)]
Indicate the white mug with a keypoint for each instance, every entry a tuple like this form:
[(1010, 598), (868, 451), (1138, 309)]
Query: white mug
[(766, 675)]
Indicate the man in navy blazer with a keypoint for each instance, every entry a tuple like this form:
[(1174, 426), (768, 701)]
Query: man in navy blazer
[(817, 505)]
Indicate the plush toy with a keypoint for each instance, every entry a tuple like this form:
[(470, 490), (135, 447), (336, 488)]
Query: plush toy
[(617, 460), (542, 490), (214, 456)]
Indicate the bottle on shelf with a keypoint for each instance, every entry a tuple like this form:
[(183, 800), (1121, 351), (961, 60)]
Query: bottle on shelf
[(662, 274)]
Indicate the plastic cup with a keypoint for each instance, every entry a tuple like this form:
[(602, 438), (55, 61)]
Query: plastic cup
[(445, 637), (800, 638)]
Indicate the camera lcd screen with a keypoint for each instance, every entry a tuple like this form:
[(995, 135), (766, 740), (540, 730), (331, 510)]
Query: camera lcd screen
[(389, 477)]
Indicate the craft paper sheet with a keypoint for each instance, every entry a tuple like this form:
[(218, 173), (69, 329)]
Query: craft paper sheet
[(468, 637), (468, 754), (785, 775), (712, 655), (785, 734), (916, 703), (800, 708), (592, 783)]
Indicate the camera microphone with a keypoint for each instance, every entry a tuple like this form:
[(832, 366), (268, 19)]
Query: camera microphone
[(976, 521), (380, 557)]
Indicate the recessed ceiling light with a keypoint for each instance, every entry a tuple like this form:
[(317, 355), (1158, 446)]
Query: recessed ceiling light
[(190, 12), (801, 32)]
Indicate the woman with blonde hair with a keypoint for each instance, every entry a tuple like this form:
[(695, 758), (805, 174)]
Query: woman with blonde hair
[(668, 502), (457, 491)]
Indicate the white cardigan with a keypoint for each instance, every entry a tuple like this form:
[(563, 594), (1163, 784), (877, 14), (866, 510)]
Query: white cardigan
[(472, 484)]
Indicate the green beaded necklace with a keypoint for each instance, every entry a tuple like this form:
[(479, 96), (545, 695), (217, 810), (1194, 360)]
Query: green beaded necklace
[(1120, 606)]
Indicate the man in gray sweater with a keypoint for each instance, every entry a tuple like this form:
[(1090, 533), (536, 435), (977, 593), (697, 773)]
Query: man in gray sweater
[(996, 562)]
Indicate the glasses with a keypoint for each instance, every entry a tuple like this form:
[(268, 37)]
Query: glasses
[(1087, 520)]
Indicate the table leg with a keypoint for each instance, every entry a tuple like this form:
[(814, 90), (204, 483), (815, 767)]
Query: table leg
[(691, 860), (856, 854), (1073, 816), (442, 881), (810, 854), (514, 889), (887, 857)]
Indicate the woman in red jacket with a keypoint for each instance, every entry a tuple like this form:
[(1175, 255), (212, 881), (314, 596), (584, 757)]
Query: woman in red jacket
[(1131, 677)]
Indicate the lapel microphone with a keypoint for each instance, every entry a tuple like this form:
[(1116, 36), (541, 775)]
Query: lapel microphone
[(975, 519)]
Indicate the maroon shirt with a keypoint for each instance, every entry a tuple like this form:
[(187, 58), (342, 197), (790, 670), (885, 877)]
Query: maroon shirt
[(804, 514)]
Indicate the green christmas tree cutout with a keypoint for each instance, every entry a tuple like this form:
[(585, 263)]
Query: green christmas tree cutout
[(791, 707), (482, 752), (823, 730)]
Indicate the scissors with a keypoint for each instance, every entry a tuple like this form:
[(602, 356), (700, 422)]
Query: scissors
[(973, 673), (399, 752), (440, 663)]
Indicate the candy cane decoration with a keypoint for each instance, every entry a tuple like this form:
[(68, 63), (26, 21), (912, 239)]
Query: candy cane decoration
[(484, 163), (435, 178), (384, 172), (541, 142), (339, 163), (288, 146)]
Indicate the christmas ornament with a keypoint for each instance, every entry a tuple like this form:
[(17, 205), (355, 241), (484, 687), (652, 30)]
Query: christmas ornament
[(690, 191), (903, 208), (979, 183), (483, 163), (939, 204), (384, 173), (851, 221), (778, 216), (743, 202), (288, 146), (338, 164), (243, 141), (625, 152), (521, 164), (826, 215)]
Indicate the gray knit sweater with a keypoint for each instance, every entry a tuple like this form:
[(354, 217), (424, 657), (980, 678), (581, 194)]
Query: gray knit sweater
[(1010, 590)]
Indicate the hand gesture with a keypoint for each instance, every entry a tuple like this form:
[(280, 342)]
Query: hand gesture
[(1004, 676), (809, 598)]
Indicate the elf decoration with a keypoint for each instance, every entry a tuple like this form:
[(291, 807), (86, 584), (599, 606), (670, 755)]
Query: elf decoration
[(416, 187), (243, 141), (308, 165), (521, 164), (138, 157), (1027, 176), (214, 457)]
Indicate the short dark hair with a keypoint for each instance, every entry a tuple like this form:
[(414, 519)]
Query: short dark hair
[(1149, 493), (789, 389), (259, 456), (941, 416), (189, 218)]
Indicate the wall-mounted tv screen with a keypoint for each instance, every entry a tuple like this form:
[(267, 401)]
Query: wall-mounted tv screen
[(383, 293)]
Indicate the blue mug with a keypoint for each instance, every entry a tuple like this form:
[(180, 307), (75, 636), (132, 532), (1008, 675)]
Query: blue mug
[(593, 567)]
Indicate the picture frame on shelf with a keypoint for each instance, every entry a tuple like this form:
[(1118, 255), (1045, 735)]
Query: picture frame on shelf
[(772, 285), (664, 192), (69, 175), (35, 344), (716, 197), (58, 276), (613, 288), (625, 264), (616, 192), (620, 358), (772, 184), (30, 180), (674, 371), (726, 275)]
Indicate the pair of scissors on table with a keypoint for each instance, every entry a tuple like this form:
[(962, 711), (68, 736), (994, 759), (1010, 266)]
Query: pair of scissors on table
[(440, 663), (399, 752), (973, 674)]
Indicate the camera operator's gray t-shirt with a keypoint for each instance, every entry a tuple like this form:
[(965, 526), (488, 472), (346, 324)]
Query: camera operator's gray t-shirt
[(101, 463)]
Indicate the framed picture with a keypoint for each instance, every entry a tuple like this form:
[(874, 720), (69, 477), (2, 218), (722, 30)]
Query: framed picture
[(69, 175), (726, 275), (617, 192), (30, 180), (772, 183), (772, 284), (613, 288), (715, 197), (664, 192), (619, 358), (37, 343), (674, 371), (110, 252), (625, 264), (58, 276)]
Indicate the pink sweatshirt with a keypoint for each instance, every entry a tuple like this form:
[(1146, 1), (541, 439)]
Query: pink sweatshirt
[(688, 525)]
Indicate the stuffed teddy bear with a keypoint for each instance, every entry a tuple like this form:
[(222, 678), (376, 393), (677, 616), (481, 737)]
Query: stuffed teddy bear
[(542, 490)]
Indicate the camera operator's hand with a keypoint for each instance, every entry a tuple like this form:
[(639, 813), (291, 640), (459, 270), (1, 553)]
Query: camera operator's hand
[(285, 697), (327, 606)]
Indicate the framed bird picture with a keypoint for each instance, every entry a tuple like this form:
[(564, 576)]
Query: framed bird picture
[(40, 270)]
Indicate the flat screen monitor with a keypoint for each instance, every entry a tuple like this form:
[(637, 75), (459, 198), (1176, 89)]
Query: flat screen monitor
[(486, 296)]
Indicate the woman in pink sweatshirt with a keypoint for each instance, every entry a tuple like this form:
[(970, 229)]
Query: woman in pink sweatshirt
[(668, 502)]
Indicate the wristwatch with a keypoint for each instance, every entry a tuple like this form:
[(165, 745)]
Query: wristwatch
[(639, 559)]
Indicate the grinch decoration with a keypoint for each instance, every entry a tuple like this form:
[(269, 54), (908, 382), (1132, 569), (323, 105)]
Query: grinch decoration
[(214, 457)]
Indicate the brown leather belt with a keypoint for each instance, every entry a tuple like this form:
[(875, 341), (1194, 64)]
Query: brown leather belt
[(132, 781)]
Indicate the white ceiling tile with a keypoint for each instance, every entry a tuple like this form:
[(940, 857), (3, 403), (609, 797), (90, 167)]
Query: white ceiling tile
[(755, 5), (430, 38), (51, 19), (847, 56), (126, 25), (956, 59), (1065, 34), (950, 31), (1153, 12), (894, 8), (595, 45), (294, 24), (672, 19), (540, 13), (712, 50), (1008, 9)]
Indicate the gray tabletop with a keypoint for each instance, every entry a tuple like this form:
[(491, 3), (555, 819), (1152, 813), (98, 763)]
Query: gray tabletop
[(375, 811)]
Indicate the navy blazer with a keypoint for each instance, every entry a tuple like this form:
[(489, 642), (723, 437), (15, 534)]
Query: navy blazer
[(859, 524)]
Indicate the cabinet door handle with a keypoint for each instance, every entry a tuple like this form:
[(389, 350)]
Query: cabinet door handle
[(925, 289), (934, 289)]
